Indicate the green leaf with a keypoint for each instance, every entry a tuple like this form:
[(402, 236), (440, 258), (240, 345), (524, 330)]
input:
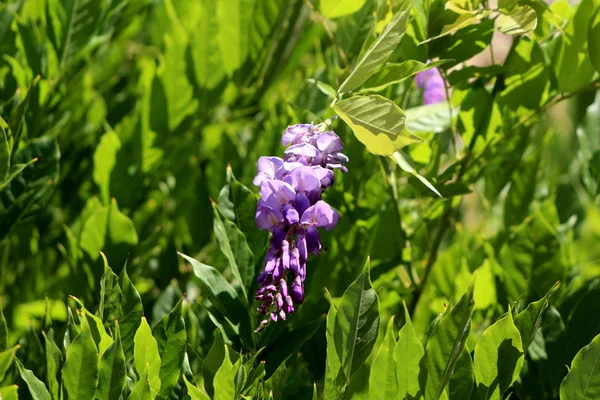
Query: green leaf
[(522, 189), (146, 357), (408, 354), (232, 18), (445, 347), (112, 373), (17, 117), (395, 73), (594, 40), (359, 386), (434, 118), (233, 245), (518, 21), (142, 389), (529, 320), (572, 64), (324, 88), (194, 392), (463, 380), (204, 47), (171, 339), (9, 392), (37, 389), (28, 192), (382, 382), (378, 53), (463, 20), (6, 360), (3, 329), (80, 372), (225, 379), (4, 154), (216, 288), (111, 295), (377, 122), (212, 362), (101, 338), (54, 359), (131, 311), (498, 358), (405, 162), (351, 333), (335, 9), (583, 380), (105, 159)]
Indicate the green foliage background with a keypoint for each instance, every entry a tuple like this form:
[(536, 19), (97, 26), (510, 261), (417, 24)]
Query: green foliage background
[(130, 131)]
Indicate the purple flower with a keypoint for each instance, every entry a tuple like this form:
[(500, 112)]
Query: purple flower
[(432, 83), (291, 208)]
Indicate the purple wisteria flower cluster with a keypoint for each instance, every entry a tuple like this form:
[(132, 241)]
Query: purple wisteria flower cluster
[(432, 83), (290, 207)]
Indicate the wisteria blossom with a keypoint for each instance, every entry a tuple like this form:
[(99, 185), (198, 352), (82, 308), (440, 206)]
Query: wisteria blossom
[(291, 208), (432, 83)]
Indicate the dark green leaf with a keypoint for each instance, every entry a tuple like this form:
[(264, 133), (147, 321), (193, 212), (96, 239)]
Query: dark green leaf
[(112, 371), (463, 380), (80, 372), (212, 362), (130, 313), (54, 359), (529, 320)]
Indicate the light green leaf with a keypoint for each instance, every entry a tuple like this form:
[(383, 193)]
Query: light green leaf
[(142, 389), (112, 373), (9, 392), (382, 382), (434, 118), (171, 339), (324, 88), (408, 354), (378, 53), (54, 360), (204, 47), (225, 379), (6, 360), (407, 164), (583, 380), (105, 158), (463, 20), (37, 389), (594, 40), (212, 363), (351, 333), (233, 17), (529, 320), (101, 338), (80, 372), (146, 357), (498, 358), (445, 346), (518, 21), (234, 246), (339, 8), (572, 62), (131, 311), (3, 329), (395, 73), (377, 122), (194, 392)]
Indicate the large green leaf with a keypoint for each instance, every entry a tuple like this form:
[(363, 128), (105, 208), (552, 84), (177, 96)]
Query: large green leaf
[(212, 363), (583, 380), (146, 357), (572, 64), (80, 372), (408, 354), (112, 371), (378, 53), (594, 40), (225, 379), (234, 246), (233, 19), (518, 21), (430, 118), (529, 320), (395, 73), (142, 389), (131, 311), (171, 339), (498, 358), (382, 382), (463, 379), (445, 346), (351, 333), (377, 122), (54, 360), (204, 47), (37, 389), (9, 392), (339, 8)]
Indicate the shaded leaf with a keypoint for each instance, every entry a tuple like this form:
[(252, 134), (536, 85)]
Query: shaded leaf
[(583, 380), (80, 372)]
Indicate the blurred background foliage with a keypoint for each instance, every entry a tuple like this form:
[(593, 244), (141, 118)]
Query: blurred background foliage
[(120, 119)]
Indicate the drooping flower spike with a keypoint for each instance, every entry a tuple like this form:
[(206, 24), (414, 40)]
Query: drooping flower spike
[(291, 208)]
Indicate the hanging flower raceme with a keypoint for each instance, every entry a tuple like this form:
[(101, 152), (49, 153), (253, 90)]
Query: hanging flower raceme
[(432, 83), (290, 207)]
